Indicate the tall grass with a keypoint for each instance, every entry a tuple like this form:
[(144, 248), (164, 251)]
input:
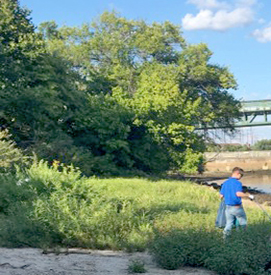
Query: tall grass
[(47, 206)]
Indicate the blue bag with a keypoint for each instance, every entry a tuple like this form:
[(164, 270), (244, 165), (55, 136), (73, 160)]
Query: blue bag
[(220, 221)]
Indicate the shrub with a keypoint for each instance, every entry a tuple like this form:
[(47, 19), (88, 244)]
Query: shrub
[(45, 179), (89, 220), (14, 190), (264, 144), (179, 248), (244, 253), (136, 266), (19, 229)]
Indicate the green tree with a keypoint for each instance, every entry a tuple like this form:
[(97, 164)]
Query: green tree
[(39, 98), (110, 51), (169, 86), (168, 115), (106, 129), (148, 91), (209, 83)]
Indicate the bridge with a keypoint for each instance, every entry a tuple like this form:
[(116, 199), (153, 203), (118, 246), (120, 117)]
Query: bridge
[(254, 113)]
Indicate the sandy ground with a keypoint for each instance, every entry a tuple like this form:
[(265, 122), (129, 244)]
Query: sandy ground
[(29, 261)]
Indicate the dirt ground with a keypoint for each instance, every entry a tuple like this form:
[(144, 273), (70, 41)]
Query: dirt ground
[(29, 261)]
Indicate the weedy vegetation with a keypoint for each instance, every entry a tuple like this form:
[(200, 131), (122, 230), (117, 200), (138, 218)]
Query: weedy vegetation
[(54, 206)]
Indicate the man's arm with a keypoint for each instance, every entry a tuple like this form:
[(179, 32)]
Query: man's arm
[(241, 194), (239, 191), (244, 195)]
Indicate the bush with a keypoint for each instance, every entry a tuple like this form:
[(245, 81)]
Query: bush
[(89, 220), (80, 211), (179, 248), (45, 179), (14, 189), (136, 266), (20, 229), (264, 144), (244, 253)]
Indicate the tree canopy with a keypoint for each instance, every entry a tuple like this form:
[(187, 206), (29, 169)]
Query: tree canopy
[(111, 96), (38, 94)]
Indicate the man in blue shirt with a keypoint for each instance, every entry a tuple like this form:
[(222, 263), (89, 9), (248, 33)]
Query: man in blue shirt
[(232, 192)]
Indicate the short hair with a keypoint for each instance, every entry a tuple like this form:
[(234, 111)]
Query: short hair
[(238, 169)]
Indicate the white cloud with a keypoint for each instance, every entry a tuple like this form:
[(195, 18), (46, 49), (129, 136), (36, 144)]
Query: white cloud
[(219, 16), (219, 21), (263, 35), (209, 4)]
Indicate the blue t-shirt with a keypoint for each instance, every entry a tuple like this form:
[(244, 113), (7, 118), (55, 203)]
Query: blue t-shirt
[(229, 189)]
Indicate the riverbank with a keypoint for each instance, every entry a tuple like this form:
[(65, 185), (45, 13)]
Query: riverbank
[(248, 160), (256, 178)]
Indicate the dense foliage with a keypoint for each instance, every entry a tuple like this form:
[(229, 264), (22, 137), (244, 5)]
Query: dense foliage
[(114, 96)]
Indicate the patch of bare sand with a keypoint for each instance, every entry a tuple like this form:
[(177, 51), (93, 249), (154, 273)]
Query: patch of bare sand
[(29, 261)]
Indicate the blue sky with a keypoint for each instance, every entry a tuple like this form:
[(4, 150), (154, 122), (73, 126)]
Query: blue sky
[(238, 32)]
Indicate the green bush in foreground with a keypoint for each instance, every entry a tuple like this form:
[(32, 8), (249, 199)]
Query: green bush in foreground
[(19, 229), (179, 248), (244, 253)]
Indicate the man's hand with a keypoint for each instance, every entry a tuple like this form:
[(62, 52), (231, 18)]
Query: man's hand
[(251, 197)]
